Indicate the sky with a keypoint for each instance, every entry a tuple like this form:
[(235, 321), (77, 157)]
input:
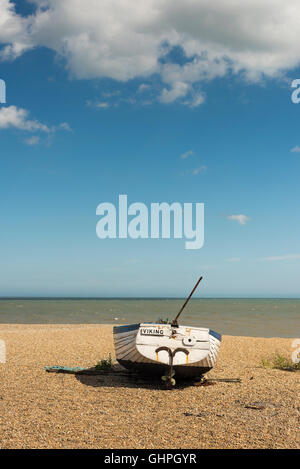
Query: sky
[(166, 102)]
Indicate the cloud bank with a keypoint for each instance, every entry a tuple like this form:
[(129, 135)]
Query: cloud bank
[(125, 39)]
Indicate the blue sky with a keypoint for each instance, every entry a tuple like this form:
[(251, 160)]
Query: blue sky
[(85, 140)]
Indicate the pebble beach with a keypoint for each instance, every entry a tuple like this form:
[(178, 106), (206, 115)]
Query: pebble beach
[(49, 410)]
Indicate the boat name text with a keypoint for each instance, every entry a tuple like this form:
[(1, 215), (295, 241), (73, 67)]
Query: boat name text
[(152, 331)]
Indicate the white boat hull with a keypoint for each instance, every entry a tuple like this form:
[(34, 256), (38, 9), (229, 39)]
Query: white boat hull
[(152, 348)]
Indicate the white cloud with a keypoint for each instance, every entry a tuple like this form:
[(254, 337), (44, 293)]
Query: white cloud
[(295, 149), (13, 117), (196, 100), (281, 258), (65, 126), (199, 170), (111, 93), (102, 104), (186, 154), (14, 34), (32, 141), (241, 219), (122, 39), (98, 104), (196, 171), (143, 87), (178, 89)]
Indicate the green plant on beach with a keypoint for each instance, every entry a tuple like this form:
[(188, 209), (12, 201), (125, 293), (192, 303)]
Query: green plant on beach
[(279, 362), (104, 364), (162, 321)]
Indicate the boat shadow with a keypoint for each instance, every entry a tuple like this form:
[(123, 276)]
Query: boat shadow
[(119, 377)]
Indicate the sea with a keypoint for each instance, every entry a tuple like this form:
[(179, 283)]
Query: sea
[(230, 316)]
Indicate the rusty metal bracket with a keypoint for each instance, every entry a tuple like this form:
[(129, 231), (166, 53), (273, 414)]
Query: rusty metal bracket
[(171, 358)]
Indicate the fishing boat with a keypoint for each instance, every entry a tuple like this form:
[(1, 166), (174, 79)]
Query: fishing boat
[(167, 348)]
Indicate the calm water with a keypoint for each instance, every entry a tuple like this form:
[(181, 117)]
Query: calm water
[(248, 317)]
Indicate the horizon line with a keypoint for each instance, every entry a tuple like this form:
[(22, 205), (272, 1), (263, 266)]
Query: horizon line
[(148, 298)]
